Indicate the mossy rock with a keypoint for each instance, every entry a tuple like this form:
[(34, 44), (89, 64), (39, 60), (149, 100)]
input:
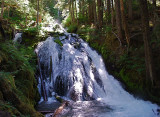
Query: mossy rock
[(58, 41), (9, 95), (26, 83), (18, 88)]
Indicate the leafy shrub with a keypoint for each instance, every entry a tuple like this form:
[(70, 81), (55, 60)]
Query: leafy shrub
[(82, 19), (72, 28), (67, 22)]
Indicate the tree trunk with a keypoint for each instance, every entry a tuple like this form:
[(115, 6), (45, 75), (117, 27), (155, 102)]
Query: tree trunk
[(118, 20), (83, 8), (91, 12), (112, 15), (130, 11), (124, 22), (150, 73), (8, 14), (154, 3), (100, 13), (37, 13), (2, 9), (26, 20), (95, 12), (80, 7), (76, 9), (86, 14), (108, 11), (41, 11), (154, 11), (72, 10)]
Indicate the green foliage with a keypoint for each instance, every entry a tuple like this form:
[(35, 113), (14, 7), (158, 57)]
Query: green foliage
[(72, 28), (9, 77), (17, 68), (58, 41), (108, 18), (135, 5), (16, 59), (32, 30), (87, 33), (132, 81), (10, 108), (49, 6), (102, 49), (108, 28), (82, 19), (132, 63), (31, 38), (67, 22), (19, 13)]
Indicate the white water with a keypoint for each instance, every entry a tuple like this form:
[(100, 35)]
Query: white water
[(125, 104), (79, 73), (18, 38)]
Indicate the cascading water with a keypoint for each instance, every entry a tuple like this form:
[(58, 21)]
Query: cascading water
[(70, 68), (18, 38)]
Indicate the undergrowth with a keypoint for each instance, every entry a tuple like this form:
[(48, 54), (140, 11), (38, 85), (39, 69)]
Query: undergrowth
[(18, 88)]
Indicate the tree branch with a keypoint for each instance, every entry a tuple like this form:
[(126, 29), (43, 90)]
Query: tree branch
[(118, 39)]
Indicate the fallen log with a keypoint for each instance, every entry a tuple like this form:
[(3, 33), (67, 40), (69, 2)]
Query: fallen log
[(59, 110)]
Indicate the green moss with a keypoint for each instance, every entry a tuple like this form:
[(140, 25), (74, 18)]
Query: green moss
[(58, 42), (59, 99), (32, 38), (17, 82)]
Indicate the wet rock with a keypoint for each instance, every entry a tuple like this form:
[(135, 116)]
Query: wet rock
[(73, 74), (158, 110), (45, 107), (60, 86)]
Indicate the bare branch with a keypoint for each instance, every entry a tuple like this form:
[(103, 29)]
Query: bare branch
[(118, 38), (134, 35)]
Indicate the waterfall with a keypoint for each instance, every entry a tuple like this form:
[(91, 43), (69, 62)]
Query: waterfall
[(18, 38), (68, 70), (72, 69)]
